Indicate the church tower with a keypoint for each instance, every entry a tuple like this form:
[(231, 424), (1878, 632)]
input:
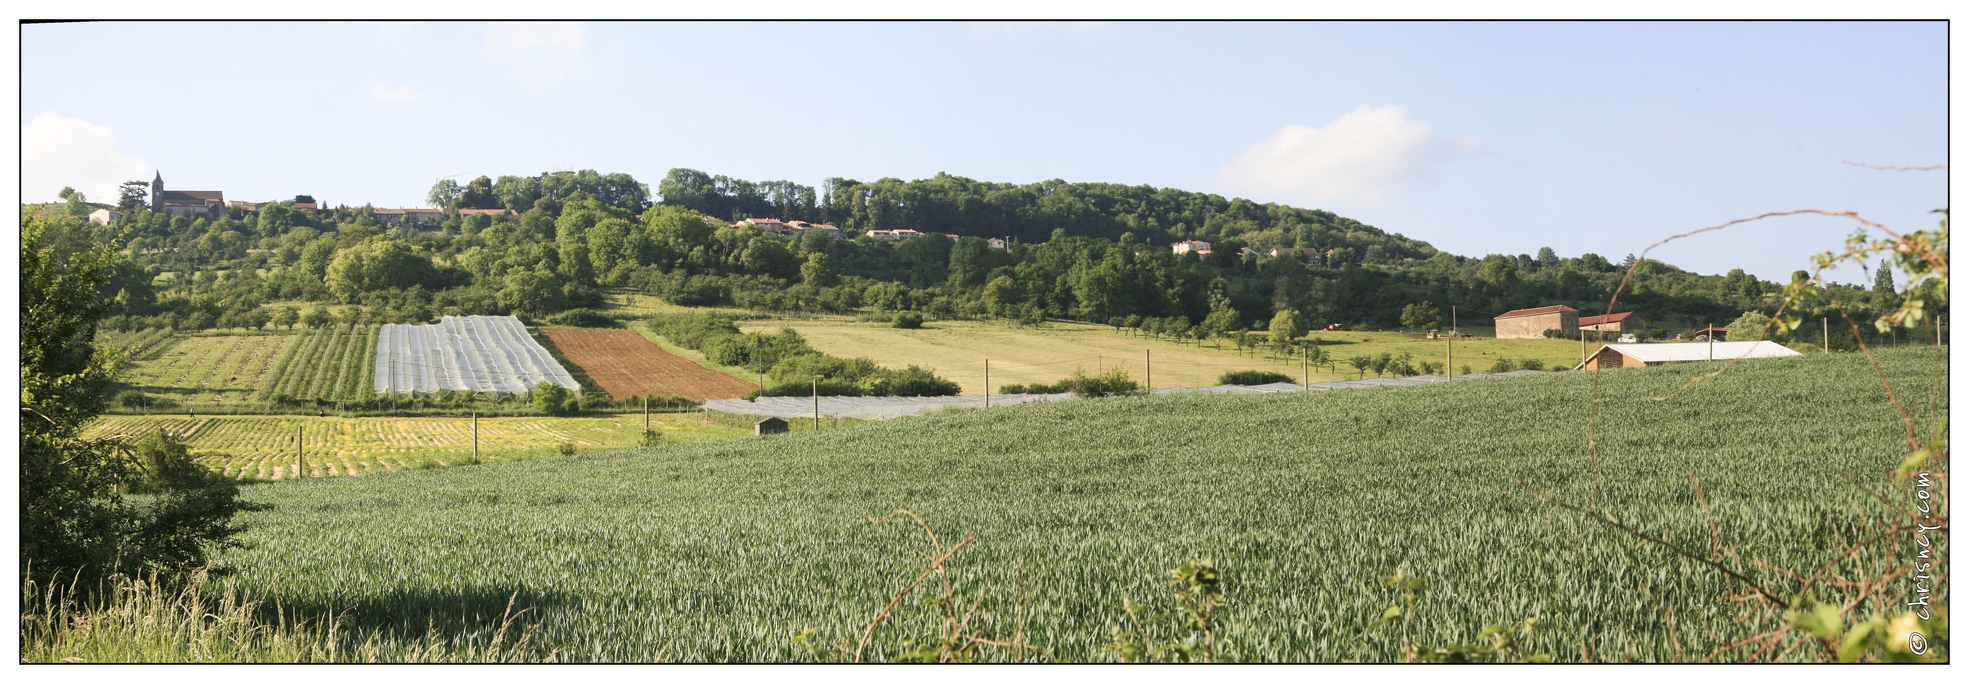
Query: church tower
[(157, 193)]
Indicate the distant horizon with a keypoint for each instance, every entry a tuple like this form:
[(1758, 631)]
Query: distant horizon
[(1475, 137)]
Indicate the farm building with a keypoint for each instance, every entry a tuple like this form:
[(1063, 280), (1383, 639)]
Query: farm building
[(1623, 322), (1187, 246), (769, 426), (1638, 355), (1530, 324), (1710, 333)]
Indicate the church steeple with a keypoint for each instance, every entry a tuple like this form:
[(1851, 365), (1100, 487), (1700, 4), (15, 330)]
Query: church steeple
[(157, 192)]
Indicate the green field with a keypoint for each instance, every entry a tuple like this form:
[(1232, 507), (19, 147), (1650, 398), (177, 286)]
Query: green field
[(721, 551), (210, 369), (262, 447), (957, 350)]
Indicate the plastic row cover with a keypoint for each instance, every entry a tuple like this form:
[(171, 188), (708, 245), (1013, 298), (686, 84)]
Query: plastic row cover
[(464, 354)]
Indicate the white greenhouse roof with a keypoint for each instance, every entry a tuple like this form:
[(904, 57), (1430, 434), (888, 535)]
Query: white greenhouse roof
[(1663, 352)]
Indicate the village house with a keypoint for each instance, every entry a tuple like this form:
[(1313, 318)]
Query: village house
[(484, 212), (995, 243), (1187, 246), (1531, 324), (897, 234), (766, 225), (186, 203), (1641, 355), (1623, 322), (399, 216), (105, 216)]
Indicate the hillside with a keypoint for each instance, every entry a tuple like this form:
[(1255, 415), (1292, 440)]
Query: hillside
[(722, 551)]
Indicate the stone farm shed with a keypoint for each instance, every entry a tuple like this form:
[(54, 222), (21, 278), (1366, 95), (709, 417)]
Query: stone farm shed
[(1530, 324), (1638, 355), (1623, 322), (769, 426)]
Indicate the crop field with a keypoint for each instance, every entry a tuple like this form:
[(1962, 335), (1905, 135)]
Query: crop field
[(262, 447), (957, 350), (210, 369), (327, 364), (626, 364), (139, 345), (722, 551), (464, 354)]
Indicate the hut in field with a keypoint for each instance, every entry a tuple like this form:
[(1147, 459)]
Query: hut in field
[(769, 426), (1639, 355), (1531, 324), (1625, 322)]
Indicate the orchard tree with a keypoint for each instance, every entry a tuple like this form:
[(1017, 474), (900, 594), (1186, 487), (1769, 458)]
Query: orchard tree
[(1423, 316)]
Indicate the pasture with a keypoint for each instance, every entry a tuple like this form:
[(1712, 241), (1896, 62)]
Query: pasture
[(263, 447), (722, 551), (957, 350)]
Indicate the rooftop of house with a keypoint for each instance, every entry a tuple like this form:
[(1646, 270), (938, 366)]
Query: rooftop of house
[(1610, 318), (1538, 311)]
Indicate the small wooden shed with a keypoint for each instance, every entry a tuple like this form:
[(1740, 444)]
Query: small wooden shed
[(769, 426)]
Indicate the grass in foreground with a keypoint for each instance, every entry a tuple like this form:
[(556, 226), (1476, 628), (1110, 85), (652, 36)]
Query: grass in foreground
[(722, 551)]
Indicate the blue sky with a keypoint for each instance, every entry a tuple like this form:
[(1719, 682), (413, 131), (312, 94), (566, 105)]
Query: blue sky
[(1476, 137)]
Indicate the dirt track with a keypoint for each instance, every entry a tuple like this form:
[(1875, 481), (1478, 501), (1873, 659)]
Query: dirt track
[(625, 365)]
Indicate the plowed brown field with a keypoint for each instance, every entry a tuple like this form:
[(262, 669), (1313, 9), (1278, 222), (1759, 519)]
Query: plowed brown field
[(626, 365)]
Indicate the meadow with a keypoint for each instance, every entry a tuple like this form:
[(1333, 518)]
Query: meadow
[(263, 447), (722, 551), (957, 350)]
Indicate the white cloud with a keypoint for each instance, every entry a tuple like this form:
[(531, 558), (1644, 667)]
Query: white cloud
[(1356, 160), (537, 52), (60, 151), (382, 93)]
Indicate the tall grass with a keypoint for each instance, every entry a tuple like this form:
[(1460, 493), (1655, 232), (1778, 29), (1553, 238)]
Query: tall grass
[(205, 620)]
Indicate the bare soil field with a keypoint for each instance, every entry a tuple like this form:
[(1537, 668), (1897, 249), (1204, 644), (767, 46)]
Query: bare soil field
[(625, 364)]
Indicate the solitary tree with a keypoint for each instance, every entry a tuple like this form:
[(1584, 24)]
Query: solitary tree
[(1421, 316), (1361, 364)]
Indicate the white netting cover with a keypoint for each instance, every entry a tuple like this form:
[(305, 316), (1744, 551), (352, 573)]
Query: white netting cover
[(464, 354), (884, 408)]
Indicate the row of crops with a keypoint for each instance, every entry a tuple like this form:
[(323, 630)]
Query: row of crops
[(724, 551), (208, 369), (323, 365), (464, 354), (138, 345), (265, 447)]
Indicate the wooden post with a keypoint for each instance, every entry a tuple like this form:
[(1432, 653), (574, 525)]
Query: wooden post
[(987, 383), (645, 413), (816, 403), (1712, 341), (1148, 372), (1305, 376), (1449, 359), (475, 438), (300, 457), (1825, 333)]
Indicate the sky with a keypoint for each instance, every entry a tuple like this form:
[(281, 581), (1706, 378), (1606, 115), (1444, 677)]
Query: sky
[(1477, 137)]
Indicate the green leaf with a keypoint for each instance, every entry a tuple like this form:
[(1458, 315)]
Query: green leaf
[(1823, 621)]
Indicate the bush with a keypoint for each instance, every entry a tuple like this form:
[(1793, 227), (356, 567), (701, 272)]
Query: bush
[(581, 318), (1112, 383), (1252, 377), (1532, 364), (1502, 366), (907, 320), (555, 400)]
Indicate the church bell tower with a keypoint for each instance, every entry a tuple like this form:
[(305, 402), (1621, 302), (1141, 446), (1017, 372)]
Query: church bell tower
[(157, 192)]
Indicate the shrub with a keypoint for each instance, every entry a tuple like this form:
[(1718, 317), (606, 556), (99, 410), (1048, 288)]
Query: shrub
[(1532, 364), (1502, 365), (907, 320), (554, 400), (1252, 377), (1112, 383), (581, 318)]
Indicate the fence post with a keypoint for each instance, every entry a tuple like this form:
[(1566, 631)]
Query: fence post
[(300, 457), (475, 438), (1305, 375), (1825, 333), (816, 403), (1449, 357), (987, 383), (1148, 372)]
